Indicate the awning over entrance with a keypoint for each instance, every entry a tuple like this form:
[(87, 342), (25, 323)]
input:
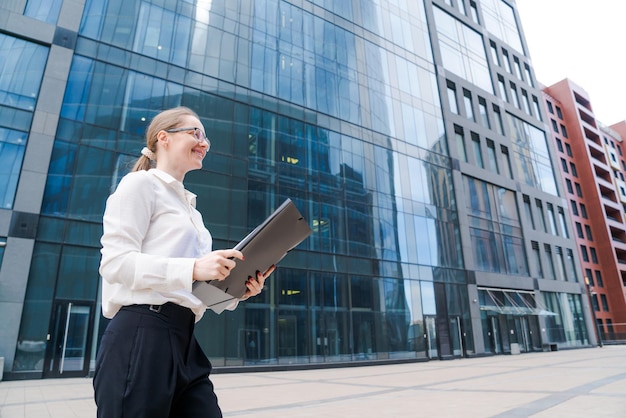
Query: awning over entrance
[(511, 302)]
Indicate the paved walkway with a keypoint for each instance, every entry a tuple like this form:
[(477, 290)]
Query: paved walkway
[(585, 383)]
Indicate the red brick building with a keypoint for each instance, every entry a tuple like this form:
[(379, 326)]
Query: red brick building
[(592, 164)]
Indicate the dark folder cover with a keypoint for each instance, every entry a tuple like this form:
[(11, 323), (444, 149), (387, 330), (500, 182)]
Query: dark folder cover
[(265, 246)]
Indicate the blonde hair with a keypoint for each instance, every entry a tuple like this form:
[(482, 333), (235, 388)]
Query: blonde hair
[(167, 119)]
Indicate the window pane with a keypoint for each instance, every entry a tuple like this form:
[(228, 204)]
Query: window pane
[(462, 50), (460, 146), (31, 345), (78, 273), (454, 108), (292, 288), (44, 10), (500, 21), (22, 65), (12, 147), (21, 70)]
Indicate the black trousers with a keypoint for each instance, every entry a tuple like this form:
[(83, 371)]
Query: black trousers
[(149, 364)]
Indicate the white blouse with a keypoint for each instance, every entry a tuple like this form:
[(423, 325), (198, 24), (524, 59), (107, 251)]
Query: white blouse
[(152, 235)]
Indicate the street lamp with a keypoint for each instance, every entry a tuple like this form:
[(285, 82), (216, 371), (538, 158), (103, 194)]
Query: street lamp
[(593, 312)]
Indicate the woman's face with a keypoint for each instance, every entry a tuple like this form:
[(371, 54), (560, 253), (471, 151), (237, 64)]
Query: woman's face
[(186, 148)]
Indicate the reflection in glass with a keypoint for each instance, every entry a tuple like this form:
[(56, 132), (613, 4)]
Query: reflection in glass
[(531, 155), (293, 338), (340, 296), (500, 21), (330, 331), (44, 10), (462, 50), (364, 335), (22, 65), (12, 147), (567, 328), (21, 70), (495, 228), (415, 334), (73, 327), (31, 345), (161, 32)]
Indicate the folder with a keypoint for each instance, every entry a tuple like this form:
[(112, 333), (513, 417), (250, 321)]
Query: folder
[(265, 246)]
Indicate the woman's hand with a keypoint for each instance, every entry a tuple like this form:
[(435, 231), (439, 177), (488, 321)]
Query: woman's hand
[(216, 265), (255, 286)]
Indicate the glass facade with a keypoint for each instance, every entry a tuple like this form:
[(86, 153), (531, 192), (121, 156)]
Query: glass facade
[(21, 72), (336, 105), (354, 289), (495, 229)]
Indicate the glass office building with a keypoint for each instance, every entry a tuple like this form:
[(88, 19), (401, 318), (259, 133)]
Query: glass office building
[(408, 133)]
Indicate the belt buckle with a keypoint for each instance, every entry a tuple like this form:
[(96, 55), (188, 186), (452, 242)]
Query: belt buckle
[(155, 308)]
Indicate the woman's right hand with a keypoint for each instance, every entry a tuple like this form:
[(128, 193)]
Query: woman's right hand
[(216, 265)]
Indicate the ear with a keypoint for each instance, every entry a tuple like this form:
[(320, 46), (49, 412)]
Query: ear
[(162, 137)]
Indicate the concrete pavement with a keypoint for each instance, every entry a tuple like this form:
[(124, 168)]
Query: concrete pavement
[(589, 382)]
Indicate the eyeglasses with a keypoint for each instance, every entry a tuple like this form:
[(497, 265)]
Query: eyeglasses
[(197, 134)]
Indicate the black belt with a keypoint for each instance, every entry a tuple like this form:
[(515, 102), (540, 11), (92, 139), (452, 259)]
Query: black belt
[(169, 309)]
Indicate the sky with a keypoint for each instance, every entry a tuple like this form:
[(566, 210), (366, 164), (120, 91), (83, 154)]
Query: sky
[(584, 41)]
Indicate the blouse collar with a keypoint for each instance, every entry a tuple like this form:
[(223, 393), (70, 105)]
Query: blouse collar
[(176, 185)]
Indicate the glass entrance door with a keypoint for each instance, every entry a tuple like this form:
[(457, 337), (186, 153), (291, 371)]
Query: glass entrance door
[(431, 336), (68, 351), (456, 336), (495, 334), (523, 331)]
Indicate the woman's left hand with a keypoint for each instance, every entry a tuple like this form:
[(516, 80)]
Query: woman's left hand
[(255, 286)]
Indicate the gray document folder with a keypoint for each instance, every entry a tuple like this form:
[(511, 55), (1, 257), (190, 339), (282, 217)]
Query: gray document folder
[(265, 246)]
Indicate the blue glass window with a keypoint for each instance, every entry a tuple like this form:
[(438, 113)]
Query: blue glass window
[(162, 34), (12, 147), (31, 347), (78, 273), (342, 8), (143, 27), (94, 93), (44, 10), (304, 60), (495, 228), (263, 69), (428, 298), (145, 97), (57, 191), (21, 70), (77, 90), (99, 113)]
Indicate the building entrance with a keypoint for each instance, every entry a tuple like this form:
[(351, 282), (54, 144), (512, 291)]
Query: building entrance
[(444, 338), (431, 337), (69, 341)]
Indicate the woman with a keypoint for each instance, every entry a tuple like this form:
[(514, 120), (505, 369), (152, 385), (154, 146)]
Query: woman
[(154, 246)]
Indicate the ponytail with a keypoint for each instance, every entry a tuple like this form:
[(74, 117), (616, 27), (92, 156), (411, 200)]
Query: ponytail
[(142, 163)]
